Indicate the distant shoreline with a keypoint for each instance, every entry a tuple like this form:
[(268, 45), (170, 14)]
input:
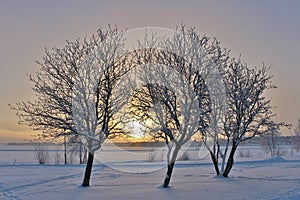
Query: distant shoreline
[(257, 140)]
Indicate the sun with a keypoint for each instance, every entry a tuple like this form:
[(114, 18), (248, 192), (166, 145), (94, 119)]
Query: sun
[(136, 129)]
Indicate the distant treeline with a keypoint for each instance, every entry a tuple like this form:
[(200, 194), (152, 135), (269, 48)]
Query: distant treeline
[(31, 143), (256, 140)]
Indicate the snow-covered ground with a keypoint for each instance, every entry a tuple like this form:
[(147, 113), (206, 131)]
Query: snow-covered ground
[(254, 176)]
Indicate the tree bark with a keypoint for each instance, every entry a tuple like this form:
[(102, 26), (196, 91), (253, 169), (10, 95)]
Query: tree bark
[(224, 156), (169, 174), (80, 153), (65, 147), (215, 162), (170, 168), (88, 170), (230, 161)]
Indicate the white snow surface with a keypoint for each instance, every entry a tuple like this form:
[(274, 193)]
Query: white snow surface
[(256, 177)]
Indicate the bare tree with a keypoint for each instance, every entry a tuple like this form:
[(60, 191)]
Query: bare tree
[(173, 100), (248, 112), (76, 145), (296, 137), (74, 92), (271, 143), (41, 153), (57, 157)]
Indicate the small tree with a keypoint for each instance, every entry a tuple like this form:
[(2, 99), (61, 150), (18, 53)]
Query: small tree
[(41, 153), (248, 113), (75, 145), (296, 137), (271, 143), (57, 157)]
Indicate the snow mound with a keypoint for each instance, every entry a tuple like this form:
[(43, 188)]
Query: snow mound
[(276, 159)]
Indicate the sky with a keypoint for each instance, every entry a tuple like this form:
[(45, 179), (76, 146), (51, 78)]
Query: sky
[(260, 30)]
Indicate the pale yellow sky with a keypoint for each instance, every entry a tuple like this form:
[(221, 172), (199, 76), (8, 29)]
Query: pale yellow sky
[(260, 30)]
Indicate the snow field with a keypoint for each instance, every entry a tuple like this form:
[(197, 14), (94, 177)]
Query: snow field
[(254, 177)]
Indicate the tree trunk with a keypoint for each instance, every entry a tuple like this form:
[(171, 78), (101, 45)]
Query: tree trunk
[(224, 156), (65, 147), (80, 153), (170, 168), (230, 161), (88, 170), (223, 162), (215, 162), (169, 174)]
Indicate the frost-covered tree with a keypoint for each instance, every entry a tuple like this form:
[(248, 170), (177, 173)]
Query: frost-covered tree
[(169, 118), (247, 113), (173, 100), (74, 90)]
